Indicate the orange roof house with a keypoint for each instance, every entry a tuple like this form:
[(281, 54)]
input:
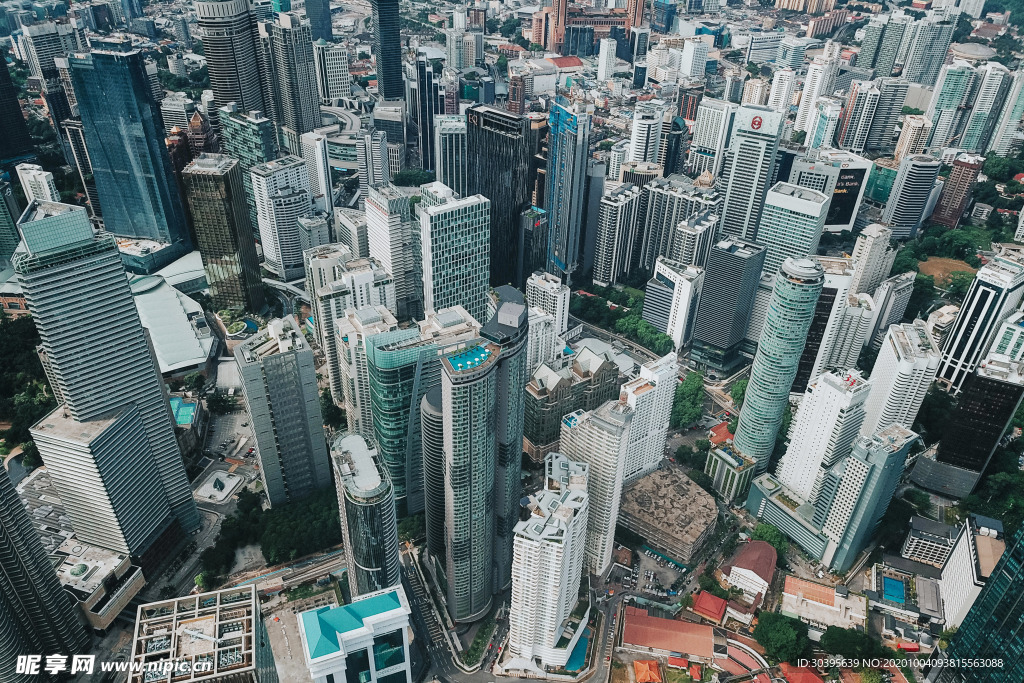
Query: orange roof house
[(646, 671), (668, 635), (709, 606)]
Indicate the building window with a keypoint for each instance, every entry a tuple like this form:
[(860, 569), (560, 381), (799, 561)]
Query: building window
[(357, 667)]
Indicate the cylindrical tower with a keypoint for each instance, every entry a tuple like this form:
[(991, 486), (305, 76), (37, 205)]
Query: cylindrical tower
[(229, 44), (432, 422)]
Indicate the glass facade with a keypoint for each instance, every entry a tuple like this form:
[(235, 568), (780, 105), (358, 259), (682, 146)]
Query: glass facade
[(252, 140), (387, 48), (568, 150)]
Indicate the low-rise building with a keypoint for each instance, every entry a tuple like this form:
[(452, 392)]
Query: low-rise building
[(821, 606), (731, 472), (751, 568), (978, 547), (928, 542)]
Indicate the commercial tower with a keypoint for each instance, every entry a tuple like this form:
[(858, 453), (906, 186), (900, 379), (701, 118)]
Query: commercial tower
[(548, 566), (1006, 137), (568, 151), (387, 48), (12, 121), (77, 291), (874, 255), (37, 183), (454, 236), (790, 311), (672, 298), (366, 505), (351, 368), (230, 41), (791, 223), (950, 103), (904, 369), (220, 216), (251, 138), (450, 162), (393, 238), (333, 80), (289, 75), (748, 169), (129, 160), (319, 14), (911, 191), (711, 131), (282, 195), (645, 137), (956, 191), (36, 615), (280, 388)]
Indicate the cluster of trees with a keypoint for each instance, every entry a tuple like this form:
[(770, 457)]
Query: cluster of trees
[(412, 177), (738, 391), (412, 528), (476, 649), (688, 402), (693, 457), (24, 394), (937, 240), (628, 323), (783, 638), (221, 404), (284, 532), (770, 534), (1000, 493), (334, 417)]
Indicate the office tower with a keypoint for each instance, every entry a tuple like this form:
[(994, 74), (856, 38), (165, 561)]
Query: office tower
[(454, 237), (791, 223), (956, 191), (890, 299), (874, 255), (216, 200), (372, 158), (928, 49), (9, 212), (290, 75), (393, 239), (671, 155), (546, 292), (598, 439), (950, 102), (994, 81), (387, 49), (432, 446), (450, 162), (892, 93), (17, 140), (672, 297), (38, 617), (1006, 137), (351, 369), (251, 138), (533, 224), (37, 183), (650, 396), (819, 82), (780, 97), (821, 130), (41, 43), (693, 62), (616, 234), (755, 91), (995, 293), (176, 110), (548, 567), (710, 136), (826, 336), (914, 136), (866, 482), (645, 138), (280, 388), (795, 294), (910, 194), (730, 281), (403, 366), (74, 131), (318, 13), (63, 266), (230, 46), (369, 526), (904, 369), (748, 169), (333, 80), (125, 139), (568, 150), (499, 146), (616, 157), (282, 195), (606, 59), (313, 149), (858, 113), (841, 176), (824, 429)]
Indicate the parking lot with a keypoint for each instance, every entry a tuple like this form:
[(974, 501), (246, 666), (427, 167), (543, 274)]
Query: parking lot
[(230, 435)]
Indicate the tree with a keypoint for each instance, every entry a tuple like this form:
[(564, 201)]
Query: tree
[(412, 528), (492, 26), (702, 446), (935, 413), (605, 145), (770, 534), (194, 381), (850, 643), (412, 177), (30, 458), (783, 639), (220, 404), (754, 69), (688, 403), (959, 282), (799, 136), (364, 55), (702, 480), (921, 501), (738, 390), (502, 64), (334, 417), (510, 26), (920, 297)]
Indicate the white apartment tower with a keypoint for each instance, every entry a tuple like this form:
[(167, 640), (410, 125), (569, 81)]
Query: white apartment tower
[(37, 183), (710, 136), (282, 194), (904, 369), (673, 295), (874, 256), (780, 97), (650, 396), (393, 240), (606, 59), (914, 135), (645, 138), (352, 372), (546, 292)]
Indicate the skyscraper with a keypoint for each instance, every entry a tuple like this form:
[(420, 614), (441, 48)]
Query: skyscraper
[(281, 191), (1006, 137), (280, 388), (387, 48), (351, 370), (748, 169), (911, 191), (671, 299), (251, 138), (828, 332), (366, 503), (216, 198), (928, 48), (890, 299), (77, 291), (791, 223), (333, 80), (568, 150), (650, 396), (874, 256), (819, 82), (16, 138), (904, 369), (450, 162), (617, 247), (372, 158), (125, 139), (858, 112), (892, 93), (821, 129), (36, 615), (950, 102), (546, 292), (290, 77), (454, 236), (37, 183), (957, 190), (393, 239), (795, 294), (678, 217), (881, 45), (780, 97), (230, 40), (606, 59), (914, 135), (645, 137), (711, 132), (318, 12), (994, 82)]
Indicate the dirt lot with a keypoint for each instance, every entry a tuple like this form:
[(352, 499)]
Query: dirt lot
[(940, 268)]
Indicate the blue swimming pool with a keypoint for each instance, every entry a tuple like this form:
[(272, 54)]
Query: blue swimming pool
[(579, 653), (251, 325), (184, 413), (894, 590)]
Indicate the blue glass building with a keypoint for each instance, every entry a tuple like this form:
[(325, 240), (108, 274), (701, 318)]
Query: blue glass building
[(568, 150)]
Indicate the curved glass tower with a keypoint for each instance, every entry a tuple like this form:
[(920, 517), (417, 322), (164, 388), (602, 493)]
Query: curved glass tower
[(790, 312), (432, 421)]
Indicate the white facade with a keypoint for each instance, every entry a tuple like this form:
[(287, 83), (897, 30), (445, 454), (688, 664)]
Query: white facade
[(687, 283), (821, 130), (282, 194), (780, 97), (904, 369), (333, 80), (834, 347), (650, 396), (694, 59), (874, 256), (792, 220), (913, 136), (314, 152), (546, 291), (751, 161), (819, 82), (852, 331), (606, 59), (373, 159), (392, 239), (710, 136), (349, 368), (37, 183), (645, 138), (964, 574), (543, 341)]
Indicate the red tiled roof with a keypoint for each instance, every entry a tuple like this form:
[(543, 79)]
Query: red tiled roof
[(743, 658), (667, 634), (826, 595), (695, 672), (720, 434), (678, 662), (646, 671), (732, 666), (566, 62), (799, 674), (709, 606), (756, 556)]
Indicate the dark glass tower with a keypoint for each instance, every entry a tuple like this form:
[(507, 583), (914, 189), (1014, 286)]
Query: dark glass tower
[(15, 140), (229, 43), (36, 616), (319, 14), (125, 138), (432, 429), (387, 48), (568, 151)]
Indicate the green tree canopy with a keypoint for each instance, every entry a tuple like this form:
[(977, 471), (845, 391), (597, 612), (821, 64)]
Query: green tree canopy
[(784, 639), (738, 390), (688, 404), (771, 534)]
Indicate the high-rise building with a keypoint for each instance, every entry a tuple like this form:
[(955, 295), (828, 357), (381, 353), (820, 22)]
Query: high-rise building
[(780, 97), (904, 369), (993, 295), (874, 255), (37, 183), (693, 63), (883, 37), (116, 388), (993, 84), (828, 334), (858, 112), (282, 194), (890, 302), (598, 439), (755, 91), (387, 48), (794, 297), (730, 282), (318, 12), (42, 42), (431, 411), (568, 150), (230, 44), (125, 139), (17, 140), (650, 396), (313, 149), (645, 138), (333, 80), (842, 176), (450, 162), (38, 616), (353, 373), (824, 429), (672, 298), (927, 49), (950, 103), (369, 526), (373, 160), (220, 217), (606, 59), (711, 131), (748, 169), (892, 93), (289, 75), (9, 212), (911, 191), (548, 567), (957, 190), (393, 238), (280, 388), (819, 82), (617, 247), (546, 292), (914, 136), (824, 120), (454, 237), (251, 138), (691, 239), (791, 223), (1007, 137)]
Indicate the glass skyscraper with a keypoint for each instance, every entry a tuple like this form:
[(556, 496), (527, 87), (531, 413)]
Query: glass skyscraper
[(251, 138), (568, 150), (387, 48)]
